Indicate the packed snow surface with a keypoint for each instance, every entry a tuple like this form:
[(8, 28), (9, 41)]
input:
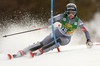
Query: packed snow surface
[(69, 56)]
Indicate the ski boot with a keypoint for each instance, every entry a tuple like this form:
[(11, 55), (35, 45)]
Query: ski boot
[(19, 54), (36, 53)]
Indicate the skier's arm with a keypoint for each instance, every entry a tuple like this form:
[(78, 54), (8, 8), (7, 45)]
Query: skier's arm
[(81, 25), (89, 44), (56, 18)]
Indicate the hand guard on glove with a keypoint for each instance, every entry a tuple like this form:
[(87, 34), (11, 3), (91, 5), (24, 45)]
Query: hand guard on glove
[(89, 44)]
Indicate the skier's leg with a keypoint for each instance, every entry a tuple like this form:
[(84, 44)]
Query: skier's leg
[(49, 39), (28, 49), (61, 41), (45, 41), (33, 47), (47, 47)]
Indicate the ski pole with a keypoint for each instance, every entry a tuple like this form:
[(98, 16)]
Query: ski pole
[(26, 31), (53, 26), (97, 44)]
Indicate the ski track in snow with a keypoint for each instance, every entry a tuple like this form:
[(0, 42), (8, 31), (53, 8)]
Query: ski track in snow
[(70, 55)]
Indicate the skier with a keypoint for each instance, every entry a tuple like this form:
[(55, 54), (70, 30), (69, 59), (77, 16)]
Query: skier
[(69, 22)]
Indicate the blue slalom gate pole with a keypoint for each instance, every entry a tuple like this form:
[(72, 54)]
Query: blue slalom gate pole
[(53, 26)]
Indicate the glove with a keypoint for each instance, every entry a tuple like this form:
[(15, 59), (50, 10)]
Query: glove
[(89, 44), (57, 24)]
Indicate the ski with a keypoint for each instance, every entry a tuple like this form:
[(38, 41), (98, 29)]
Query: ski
[(11, 56), (15, 56)]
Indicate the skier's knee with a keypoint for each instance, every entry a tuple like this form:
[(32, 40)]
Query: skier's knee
[(64, 41)]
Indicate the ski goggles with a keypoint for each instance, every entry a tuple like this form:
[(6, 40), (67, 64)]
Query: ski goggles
[(71, 12)]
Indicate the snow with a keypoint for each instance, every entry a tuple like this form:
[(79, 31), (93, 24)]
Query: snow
[(69, 55), (73, 54)]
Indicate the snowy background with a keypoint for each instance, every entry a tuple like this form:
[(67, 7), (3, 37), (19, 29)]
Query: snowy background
[(73, 54)]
